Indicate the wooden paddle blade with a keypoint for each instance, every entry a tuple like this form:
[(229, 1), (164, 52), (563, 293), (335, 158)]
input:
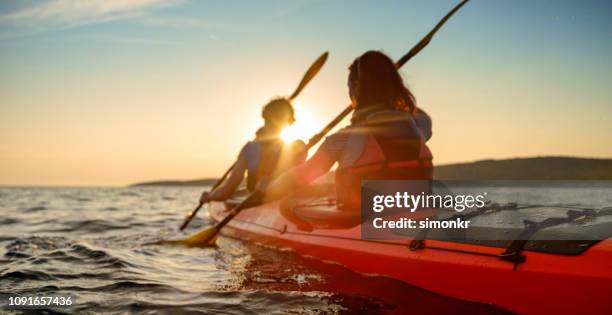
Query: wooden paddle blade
[(311, 73), (204, 238)]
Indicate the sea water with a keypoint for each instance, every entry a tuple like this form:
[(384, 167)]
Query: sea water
[(90, 243)]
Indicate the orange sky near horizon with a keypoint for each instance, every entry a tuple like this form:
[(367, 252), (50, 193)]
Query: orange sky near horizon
[(168, 95)]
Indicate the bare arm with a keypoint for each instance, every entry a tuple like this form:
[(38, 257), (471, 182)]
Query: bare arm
[(300, 175), (229, 185)]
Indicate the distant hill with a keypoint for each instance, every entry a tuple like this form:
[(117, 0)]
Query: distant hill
[(543, 168)]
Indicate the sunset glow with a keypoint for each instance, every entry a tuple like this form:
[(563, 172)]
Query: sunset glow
[(303, 128)]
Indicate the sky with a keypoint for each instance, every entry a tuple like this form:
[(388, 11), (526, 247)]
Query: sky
[(96, 93)]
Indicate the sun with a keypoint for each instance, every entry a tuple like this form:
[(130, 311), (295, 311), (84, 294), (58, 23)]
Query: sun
[(303, 128)]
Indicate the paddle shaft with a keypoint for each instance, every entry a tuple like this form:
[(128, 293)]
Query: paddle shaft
[(195, 211), (256, 196)]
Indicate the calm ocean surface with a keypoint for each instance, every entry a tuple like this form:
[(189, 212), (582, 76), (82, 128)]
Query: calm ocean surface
[(88, 242)]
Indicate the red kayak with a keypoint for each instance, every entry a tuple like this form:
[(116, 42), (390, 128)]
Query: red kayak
[(543, 282)]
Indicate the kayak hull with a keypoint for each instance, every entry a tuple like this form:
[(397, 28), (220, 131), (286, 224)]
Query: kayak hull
[(545, 283)]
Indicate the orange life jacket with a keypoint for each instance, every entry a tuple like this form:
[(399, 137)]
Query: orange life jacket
[(392, 152)]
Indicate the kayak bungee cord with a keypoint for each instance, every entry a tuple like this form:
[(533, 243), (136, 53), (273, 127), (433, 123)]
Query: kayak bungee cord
[(207, 236), (308, 76)]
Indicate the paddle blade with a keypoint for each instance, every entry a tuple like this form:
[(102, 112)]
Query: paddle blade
[(205, 238), (312, 71), (421, 44)]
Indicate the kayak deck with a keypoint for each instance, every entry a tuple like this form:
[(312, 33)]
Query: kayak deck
[(543, 283)]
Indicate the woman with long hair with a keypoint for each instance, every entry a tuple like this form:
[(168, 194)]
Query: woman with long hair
[(385, 140)]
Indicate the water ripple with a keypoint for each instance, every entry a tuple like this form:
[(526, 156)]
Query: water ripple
[(35, 209), (98, 257), (26, 275), (91, 226), (8, 221)]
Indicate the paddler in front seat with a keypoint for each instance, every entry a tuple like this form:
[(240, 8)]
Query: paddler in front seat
[(265, 156), (385, 140)]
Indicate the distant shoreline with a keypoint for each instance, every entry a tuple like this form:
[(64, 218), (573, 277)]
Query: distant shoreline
[(195, 182), (533, 168)]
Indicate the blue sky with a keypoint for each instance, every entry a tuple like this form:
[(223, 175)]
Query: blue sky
[(148, 89)]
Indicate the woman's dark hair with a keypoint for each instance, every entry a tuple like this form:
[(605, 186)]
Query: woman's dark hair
[(278, 111), (379, 83)]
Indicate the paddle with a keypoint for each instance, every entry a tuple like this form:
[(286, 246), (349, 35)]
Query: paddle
[(308, 76), (207, 236), (413, 52)]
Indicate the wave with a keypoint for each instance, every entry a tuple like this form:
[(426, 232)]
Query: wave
[(99, 257), (133, 286), (26, 275), (75, 198), (129, 194), (45, 249), (37, 243), (8, 221), (35, 209), (90, 226)]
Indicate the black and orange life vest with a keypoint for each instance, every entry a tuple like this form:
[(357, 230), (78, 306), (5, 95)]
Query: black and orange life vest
[(268, 156), (393, 150)]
